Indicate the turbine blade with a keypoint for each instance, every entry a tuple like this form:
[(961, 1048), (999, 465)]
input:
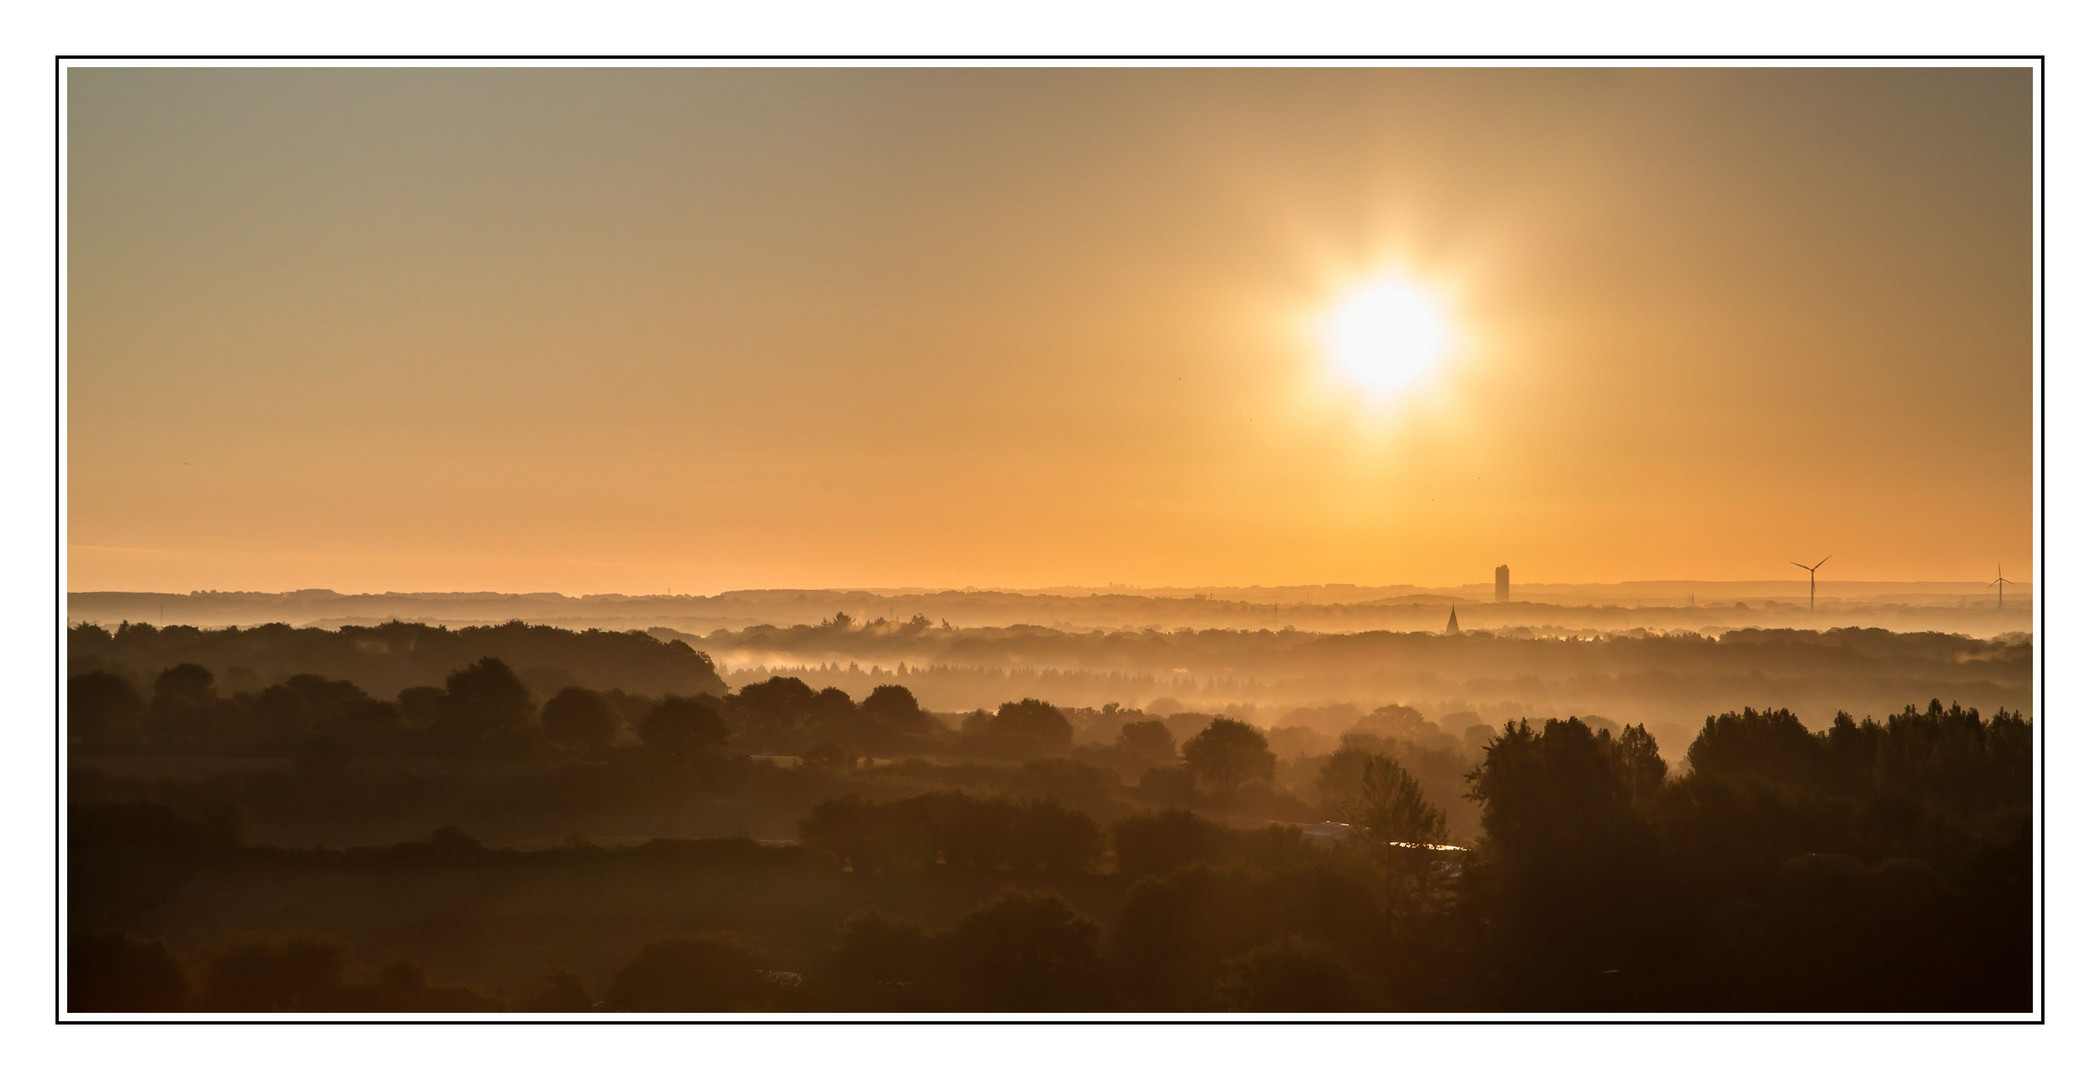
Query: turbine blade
[(1820, 562), (1803, 566)]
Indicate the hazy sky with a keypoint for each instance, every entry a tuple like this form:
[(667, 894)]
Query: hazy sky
[(629, 330)]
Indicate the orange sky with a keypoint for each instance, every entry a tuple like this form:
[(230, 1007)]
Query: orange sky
[(642, 330)]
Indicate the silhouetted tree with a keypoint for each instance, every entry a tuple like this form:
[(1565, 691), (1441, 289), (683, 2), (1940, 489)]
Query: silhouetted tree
[(1146, 741), (1401, 723), (774, 714), (323, 720), (103, 712), (485, 708), (682, 727), (1773, 745), (579, 721), (1037, 719), (1570, 864), (186, 682), (1227, 754), (183, 712), (1392, 810), (894, 706), (1637, 764), (1397, 825)]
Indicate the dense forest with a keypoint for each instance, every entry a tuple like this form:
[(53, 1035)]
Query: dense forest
[(410, 818), (1279, 679)]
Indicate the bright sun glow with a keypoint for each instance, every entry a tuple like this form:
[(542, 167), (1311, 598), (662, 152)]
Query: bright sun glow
[(1385, 335)]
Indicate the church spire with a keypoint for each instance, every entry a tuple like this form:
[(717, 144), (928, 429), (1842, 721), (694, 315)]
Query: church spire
[(1452, 626)]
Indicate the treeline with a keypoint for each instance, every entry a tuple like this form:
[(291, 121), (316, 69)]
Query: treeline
[(483, 709), (657, 751), (1277, 657), (1875, 866), (1658, 680), (683, 779), (392, 657)]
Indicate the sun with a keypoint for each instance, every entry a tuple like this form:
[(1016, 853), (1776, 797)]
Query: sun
[(1385, 335)]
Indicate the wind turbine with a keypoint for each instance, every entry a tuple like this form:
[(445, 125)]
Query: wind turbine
[(2000, 582), (1812, 579)]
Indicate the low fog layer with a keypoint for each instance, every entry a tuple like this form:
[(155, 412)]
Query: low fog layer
[(1275, 679), (1705, 606)]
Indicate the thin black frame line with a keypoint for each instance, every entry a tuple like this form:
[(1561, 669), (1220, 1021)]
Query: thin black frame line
[(1039, 56), (2041, 543)]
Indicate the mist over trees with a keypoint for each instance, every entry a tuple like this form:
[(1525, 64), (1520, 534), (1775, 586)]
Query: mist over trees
[(1271, 679), (1028, 857), (1663, 681), (781, 614)]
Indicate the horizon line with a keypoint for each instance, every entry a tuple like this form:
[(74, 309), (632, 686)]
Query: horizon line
[(1109, 589)]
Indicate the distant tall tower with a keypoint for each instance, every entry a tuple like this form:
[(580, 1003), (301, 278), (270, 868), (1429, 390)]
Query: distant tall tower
[(1452, 626), (1502, 584)]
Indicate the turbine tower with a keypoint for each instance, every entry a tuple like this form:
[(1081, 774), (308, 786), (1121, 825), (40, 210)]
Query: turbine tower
[(1812, 579), (2000, 582)]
